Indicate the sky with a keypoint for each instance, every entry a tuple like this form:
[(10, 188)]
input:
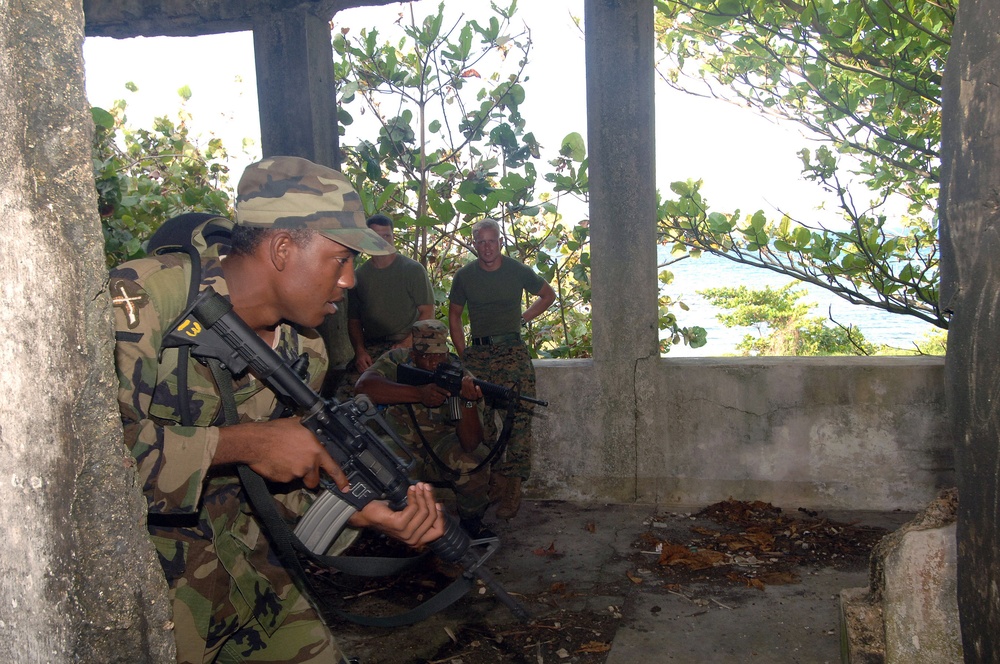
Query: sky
[(746, 161)]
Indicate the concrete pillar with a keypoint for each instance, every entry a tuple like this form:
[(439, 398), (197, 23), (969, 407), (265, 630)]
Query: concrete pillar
[(298, 111), (970, 288), (295, 86), (620, 121)]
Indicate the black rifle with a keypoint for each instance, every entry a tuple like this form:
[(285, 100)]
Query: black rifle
[(215, 331), (449, 377)]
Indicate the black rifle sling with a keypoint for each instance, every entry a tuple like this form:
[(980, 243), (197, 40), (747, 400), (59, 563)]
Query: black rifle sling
[(184, 352), (289, 547), (495, 452)]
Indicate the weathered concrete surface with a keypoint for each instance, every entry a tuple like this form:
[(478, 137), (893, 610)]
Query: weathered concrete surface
[(78, 574), (182, 18), (846, 433), (921, 600), (620, 140), (593, 573), (909, 611)]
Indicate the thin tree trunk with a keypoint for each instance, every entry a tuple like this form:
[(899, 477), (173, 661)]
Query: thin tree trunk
[(970, 288)]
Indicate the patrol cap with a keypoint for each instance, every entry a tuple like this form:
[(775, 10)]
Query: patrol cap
[(291, 192), (430, 336)]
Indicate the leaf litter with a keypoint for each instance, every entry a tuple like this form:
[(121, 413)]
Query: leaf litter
[(734, 544)]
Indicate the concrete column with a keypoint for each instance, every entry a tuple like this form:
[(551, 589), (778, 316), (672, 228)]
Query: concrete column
[(620, 121), (298, 111), (295, 86), (970, 288)]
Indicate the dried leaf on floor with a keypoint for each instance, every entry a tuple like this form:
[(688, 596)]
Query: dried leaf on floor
[(594, 647)]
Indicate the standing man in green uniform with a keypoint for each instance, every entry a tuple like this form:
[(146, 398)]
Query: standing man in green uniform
[(299, 226), (492, 287), (423, 416), (392, 293)]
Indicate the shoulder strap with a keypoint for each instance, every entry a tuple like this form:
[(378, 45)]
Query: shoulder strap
[(177, 235)]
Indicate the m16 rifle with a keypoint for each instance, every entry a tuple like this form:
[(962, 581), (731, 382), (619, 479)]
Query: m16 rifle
[(214, 330), (449, 377)]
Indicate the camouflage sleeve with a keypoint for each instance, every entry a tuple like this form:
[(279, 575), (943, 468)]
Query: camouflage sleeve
[(385, 365), (172, 460)]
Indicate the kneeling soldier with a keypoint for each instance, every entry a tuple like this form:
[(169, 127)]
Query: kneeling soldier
[(427, 420)]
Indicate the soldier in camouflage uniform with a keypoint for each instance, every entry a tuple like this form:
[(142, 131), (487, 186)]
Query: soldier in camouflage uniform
[(298, 228), (492, 286), (423, 415)]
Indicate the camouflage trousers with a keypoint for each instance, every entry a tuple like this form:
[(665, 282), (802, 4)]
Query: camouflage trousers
[(471, 491), (301, 638), (507, 364)]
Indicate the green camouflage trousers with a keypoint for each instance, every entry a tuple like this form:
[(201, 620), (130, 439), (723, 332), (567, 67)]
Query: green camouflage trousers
[(471, 491), (507, 364), (302, 638), (236, 636)]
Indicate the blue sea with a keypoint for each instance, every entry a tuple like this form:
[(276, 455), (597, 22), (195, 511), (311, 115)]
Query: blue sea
[(692, 275)]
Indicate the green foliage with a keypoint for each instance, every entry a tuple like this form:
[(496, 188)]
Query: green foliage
[(444, 144), (784, 326), (694, 336), (863, 76), (866, 264), (145, 176)]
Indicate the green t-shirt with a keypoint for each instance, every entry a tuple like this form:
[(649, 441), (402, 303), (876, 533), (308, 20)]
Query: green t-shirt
[(494, 298), (385, 300)]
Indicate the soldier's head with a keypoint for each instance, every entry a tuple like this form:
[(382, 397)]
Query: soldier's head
[(304, 223), (486, 238), (382, 225), (430, 344)]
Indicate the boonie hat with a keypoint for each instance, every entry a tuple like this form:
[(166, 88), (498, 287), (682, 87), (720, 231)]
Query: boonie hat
[(291, 192), (430, 336)]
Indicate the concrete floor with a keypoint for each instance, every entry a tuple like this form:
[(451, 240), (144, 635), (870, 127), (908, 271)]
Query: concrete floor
[(577, 569)]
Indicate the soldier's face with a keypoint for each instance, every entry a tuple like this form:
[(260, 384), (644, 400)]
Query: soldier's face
[(428, 361), (384, 232), (488, 247), (314, 279)]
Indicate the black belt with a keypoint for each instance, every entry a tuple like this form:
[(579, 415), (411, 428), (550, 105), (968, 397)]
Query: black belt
[(495, 339)]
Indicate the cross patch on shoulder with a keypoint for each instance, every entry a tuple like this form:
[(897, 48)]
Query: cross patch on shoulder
[(130, 298)]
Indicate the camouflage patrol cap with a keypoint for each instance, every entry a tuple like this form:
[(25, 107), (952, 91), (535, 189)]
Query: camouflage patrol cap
[(430, 336), (291, 192)]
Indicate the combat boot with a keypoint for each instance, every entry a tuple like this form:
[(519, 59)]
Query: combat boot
[(498, 485), (476, 529), (510, 502)]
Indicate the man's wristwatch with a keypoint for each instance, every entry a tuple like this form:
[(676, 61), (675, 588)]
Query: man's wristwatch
[(469, 404), (524, 323)]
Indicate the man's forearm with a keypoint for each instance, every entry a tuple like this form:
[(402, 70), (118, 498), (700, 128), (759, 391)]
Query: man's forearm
[(381, 390), (456, 328), (356, 334), (469, 429)]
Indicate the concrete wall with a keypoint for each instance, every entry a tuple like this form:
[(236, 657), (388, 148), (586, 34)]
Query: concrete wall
[(846, 433)]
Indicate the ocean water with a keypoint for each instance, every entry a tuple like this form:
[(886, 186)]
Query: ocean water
[(692, 275)]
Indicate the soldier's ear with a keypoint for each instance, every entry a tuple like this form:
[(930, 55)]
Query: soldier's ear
[(279, 248)]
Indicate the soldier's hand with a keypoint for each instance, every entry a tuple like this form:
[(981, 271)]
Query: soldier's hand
[(470, 391), (420, 522), (432, 395), (362, 361), (278, 450)]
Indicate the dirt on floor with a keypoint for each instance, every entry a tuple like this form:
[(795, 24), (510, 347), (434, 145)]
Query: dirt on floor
[(731, 544)]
